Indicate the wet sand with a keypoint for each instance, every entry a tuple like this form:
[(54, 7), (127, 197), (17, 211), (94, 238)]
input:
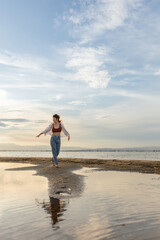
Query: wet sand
[(63, 180), (144, 166)]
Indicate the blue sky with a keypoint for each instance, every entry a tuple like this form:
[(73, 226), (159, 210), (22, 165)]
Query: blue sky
[(94, 62)]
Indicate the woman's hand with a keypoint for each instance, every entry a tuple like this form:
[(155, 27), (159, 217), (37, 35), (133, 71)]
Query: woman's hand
[(39, 135), (68, 138)]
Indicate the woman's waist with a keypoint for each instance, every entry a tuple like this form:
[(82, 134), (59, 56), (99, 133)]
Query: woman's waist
[(57, 134)]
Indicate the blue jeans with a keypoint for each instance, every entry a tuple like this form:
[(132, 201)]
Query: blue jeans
[(55, 145)]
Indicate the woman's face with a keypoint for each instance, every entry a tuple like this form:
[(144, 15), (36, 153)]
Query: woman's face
[(55, 120)]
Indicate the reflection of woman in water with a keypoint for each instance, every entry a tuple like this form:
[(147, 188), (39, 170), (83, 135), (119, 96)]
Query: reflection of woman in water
[(54, 207), (56, 129)]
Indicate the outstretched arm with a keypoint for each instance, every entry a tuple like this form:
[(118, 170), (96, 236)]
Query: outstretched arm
[(45, 131), (39, 134)]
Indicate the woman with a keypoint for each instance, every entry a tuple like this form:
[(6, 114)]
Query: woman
[(56, 130)]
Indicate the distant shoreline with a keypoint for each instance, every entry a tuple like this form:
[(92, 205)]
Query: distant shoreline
[(81, 150), (144, 166)]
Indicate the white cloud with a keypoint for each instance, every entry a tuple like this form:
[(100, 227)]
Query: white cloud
[(88, 65), (58, 97), (94, 18), (27, 71), (26, 64), (85, 64), (29, 86), (125, 93), (126, 72), (112, 92), (11, 59), (7, 103), (77, 102), (3, 95), (157, 73)]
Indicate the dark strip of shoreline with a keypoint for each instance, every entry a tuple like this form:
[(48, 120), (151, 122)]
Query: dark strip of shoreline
[(144, 166)]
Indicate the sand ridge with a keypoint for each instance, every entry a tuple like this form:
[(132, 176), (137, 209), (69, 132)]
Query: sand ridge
[(144, 166)]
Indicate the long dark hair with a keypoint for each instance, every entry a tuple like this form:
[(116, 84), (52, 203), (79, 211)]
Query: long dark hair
[(57, 117)]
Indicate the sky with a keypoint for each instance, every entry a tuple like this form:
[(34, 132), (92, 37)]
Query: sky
[(93, 62)]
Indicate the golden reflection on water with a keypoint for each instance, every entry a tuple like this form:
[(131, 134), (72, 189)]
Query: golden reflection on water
[(20, 183), (20, 192)]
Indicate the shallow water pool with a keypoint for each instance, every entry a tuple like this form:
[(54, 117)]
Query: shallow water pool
[(113, 205)]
